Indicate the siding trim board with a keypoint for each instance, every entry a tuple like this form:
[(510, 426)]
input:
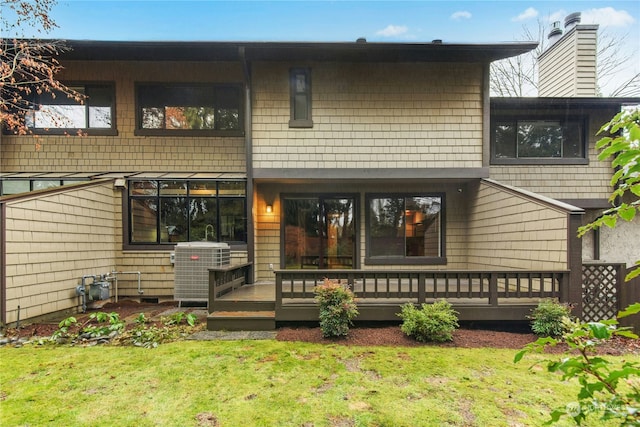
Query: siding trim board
[(556, 204), (378, 174), (3, 265)]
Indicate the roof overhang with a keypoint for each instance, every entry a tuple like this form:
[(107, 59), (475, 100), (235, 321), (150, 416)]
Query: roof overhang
[(435, 51), (561, 103)]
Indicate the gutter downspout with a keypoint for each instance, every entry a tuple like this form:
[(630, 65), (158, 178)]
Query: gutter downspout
[(248, 143)]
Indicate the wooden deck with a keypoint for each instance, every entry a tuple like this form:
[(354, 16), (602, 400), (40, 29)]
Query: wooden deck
[(476, 295)]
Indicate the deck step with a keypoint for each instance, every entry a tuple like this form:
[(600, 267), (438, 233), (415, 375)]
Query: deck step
[(241, 320), (233, 305)]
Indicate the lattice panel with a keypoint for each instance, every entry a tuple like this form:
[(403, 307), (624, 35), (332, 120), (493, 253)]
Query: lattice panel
[(599, 292)]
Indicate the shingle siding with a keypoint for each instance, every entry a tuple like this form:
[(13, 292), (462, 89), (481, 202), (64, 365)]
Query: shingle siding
[(371, 116), (127, 152)]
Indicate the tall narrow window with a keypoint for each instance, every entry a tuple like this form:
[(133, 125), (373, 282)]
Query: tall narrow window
[(300, 87)]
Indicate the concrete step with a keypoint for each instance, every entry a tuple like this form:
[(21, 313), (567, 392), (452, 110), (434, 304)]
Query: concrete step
[(241, 321)]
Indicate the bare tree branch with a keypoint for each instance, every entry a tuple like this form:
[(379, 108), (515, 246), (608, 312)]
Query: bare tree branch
[(28, 67), (518, 76)]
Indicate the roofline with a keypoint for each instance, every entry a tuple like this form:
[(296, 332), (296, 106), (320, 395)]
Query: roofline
[(561, 102), (358, 51)]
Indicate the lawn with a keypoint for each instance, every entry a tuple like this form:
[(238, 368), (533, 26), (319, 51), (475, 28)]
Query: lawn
[(272, 383)]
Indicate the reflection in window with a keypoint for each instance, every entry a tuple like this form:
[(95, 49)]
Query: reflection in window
[(404, 226), (170, 211), (189, 107), (521, 139), (58, 111)]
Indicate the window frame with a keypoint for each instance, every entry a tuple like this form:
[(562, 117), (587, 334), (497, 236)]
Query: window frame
[(140, 131), (405, 260), (158, 244), (306, 122), (110, 131), (518, 117)]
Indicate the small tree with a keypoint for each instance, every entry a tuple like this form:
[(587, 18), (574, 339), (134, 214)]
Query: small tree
[(28, 67)]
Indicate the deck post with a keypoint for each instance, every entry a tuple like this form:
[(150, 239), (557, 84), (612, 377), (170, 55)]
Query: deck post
[(278, 291), (575, 263), (493, 289), (422, 288)]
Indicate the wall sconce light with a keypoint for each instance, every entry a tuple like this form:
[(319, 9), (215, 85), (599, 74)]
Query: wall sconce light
[(269, 208)]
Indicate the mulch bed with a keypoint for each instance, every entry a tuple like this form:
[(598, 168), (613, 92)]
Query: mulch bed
[(358, 336)]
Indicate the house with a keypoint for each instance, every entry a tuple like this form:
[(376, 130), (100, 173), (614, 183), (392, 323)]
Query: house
[(387, 165)]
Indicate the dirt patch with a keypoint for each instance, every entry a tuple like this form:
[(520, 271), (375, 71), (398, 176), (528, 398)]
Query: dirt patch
[(127, 310)]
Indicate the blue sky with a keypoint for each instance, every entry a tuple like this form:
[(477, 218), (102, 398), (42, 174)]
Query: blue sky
[(398, 21), (477, 21)]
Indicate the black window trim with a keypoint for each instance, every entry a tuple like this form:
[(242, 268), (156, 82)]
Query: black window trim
[(139, 131), (112, 131), (169, 246), (524, 116), (404, 260), (300, 123)]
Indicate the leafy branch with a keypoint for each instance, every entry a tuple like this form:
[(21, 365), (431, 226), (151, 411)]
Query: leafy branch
[(623, 144)]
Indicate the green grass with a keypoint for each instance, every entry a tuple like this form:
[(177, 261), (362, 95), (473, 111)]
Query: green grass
[(270, 383)]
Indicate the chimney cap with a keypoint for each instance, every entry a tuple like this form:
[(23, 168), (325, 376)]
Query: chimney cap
[(572, 19), (555, 33)]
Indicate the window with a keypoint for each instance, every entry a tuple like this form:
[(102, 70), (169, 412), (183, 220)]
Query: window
[(57, 113), (170, 211), (319, 232), (16, 186), (300, 88), (190, 109), (529, 141), (405, 229)]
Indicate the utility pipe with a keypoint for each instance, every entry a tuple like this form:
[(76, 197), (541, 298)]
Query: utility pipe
[(115, 274)]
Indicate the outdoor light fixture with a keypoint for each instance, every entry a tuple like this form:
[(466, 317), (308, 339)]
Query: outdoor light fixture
[(269, 208)]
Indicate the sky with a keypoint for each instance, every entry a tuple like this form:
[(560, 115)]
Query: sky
[(342, 21), (302, 20)]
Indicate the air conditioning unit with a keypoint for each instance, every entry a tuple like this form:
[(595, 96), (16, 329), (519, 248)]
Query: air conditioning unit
[(192, 263)]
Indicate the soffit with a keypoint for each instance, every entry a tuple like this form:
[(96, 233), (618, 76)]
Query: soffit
[(293, 51)]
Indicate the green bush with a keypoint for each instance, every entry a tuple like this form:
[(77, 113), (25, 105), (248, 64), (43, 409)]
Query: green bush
[(433, 322), (337, 308), (548, 319)]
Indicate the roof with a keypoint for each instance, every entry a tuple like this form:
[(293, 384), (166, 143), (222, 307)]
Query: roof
[(359, 51), (556, 102)]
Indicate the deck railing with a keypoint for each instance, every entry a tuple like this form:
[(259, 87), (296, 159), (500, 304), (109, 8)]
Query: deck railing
[(463, 287)]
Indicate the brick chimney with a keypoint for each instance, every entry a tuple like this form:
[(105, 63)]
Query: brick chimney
[(567, 68)]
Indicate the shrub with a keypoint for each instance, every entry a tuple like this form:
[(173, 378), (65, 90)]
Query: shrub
[(548, 319), (433, 322), (337, 308)]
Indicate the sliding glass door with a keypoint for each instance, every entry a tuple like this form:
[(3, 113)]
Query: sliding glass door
[(319, 232)]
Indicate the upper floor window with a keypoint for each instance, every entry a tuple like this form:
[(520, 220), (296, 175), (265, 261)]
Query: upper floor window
[(57, 113), (300, 89), (190, 109), (530, 141), (405, 229)]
